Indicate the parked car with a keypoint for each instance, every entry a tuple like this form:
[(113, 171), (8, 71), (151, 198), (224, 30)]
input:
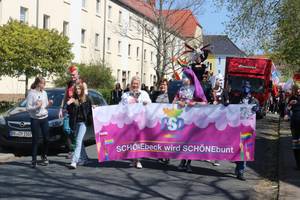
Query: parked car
[(15, 123)]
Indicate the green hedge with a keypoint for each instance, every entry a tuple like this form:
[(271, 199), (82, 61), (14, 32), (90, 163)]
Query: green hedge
[(5, 105), (106, 93)]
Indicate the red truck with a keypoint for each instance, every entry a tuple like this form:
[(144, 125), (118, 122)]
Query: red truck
[(255, 70)]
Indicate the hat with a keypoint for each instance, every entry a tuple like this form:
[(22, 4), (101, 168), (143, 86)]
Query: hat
[(199, 93), (72, 68)]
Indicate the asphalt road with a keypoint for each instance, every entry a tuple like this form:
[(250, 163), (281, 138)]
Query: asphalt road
[(116, 180)]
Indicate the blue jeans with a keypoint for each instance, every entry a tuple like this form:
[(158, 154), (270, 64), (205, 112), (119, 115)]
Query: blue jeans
[(240, 167), (80, 153), (39, 126)]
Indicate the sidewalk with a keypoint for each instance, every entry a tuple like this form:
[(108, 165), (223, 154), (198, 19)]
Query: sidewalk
[(5, 157), (289, 178)]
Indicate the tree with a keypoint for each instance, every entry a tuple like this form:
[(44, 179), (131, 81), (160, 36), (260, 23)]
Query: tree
[(162, 30), (286, 46), (270, 25), (252, 22), (97, 76), (30, 51)]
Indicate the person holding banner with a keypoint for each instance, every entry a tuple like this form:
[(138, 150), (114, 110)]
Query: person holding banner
[(136, 95), (163, 98), (190, 94), (81, 108), (245, 98)]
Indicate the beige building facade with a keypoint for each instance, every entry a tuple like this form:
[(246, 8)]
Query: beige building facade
[(98, 30)]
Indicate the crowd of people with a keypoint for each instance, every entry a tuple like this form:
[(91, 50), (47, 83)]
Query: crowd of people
[(286, 103), (205, 89)]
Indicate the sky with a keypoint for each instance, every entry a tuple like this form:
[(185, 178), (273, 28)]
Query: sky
[(212, 18)]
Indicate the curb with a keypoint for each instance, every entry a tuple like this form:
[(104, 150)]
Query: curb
[(5, 157), (288, 178)]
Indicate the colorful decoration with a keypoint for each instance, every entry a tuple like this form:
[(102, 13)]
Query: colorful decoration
[(197, 133)]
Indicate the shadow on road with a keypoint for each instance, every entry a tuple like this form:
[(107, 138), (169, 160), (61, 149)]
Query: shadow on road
[(158, 182)]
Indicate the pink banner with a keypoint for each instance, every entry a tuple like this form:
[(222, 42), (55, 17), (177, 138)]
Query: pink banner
[(166, 131)]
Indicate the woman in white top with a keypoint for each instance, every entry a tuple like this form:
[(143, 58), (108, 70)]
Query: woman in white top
[(135, 95), (37, 104)]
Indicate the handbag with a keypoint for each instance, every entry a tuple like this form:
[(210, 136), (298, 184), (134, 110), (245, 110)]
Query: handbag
[(66, 125)]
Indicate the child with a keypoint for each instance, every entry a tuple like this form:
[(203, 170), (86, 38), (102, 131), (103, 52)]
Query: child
[(81, 109), (190, 94)]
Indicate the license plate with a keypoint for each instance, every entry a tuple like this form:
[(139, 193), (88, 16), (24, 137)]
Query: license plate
[(26, 134)]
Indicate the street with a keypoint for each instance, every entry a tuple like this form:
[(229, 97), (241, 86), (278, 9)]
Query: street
[(116, 180)]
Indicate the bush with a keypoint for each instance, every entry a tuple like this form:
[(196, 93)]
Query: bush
[(97, 76), (106, 93), (5, 105)]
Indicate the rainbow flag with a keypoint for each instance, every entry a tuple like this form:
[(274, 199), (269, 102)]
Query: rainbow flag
[(245, 136), (111, 141)]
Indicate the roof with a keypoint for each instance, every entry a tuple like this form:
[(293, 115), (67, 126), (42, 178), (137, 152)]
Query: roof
[(183, 22), (222, 45), (260, 56), (141, 7)]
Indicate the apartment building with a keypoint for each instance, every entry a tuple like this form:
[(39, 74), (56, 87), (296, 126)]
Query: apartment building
[(100, 30)]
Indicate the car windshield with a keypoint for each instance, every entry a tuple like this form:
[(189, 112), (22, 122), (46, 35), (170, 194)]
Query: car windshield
[(56, 96), (236, 83)]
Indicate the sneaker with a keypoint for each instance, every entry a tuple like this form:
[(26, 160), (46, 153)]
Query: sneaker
[(139, 165), (181, 167), (84, 163), (73, 166), (45, 161), (164, 161), (189, 169), (240, 176), (216, 163), (33, 164)]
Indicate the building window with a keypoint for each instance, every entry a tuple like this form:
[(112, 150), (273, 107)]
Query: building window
[(96, 40), (120, 17), (137, 52), (138, 26), (24, 15), (118, 75), (151, 56), (124, 79), (128, 77), (83, 36), (109, 12), (219, 71), (145, 52), (46, 22), (219, 61), (129, 50), (83, 3), (66, 28), (130, 22), (210, 66), (154, 80), (98, 6), (119, 47), (108, 44)]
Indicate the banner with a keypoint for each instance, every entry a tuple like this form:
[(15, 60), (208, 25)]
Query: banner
[(209, 132)]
